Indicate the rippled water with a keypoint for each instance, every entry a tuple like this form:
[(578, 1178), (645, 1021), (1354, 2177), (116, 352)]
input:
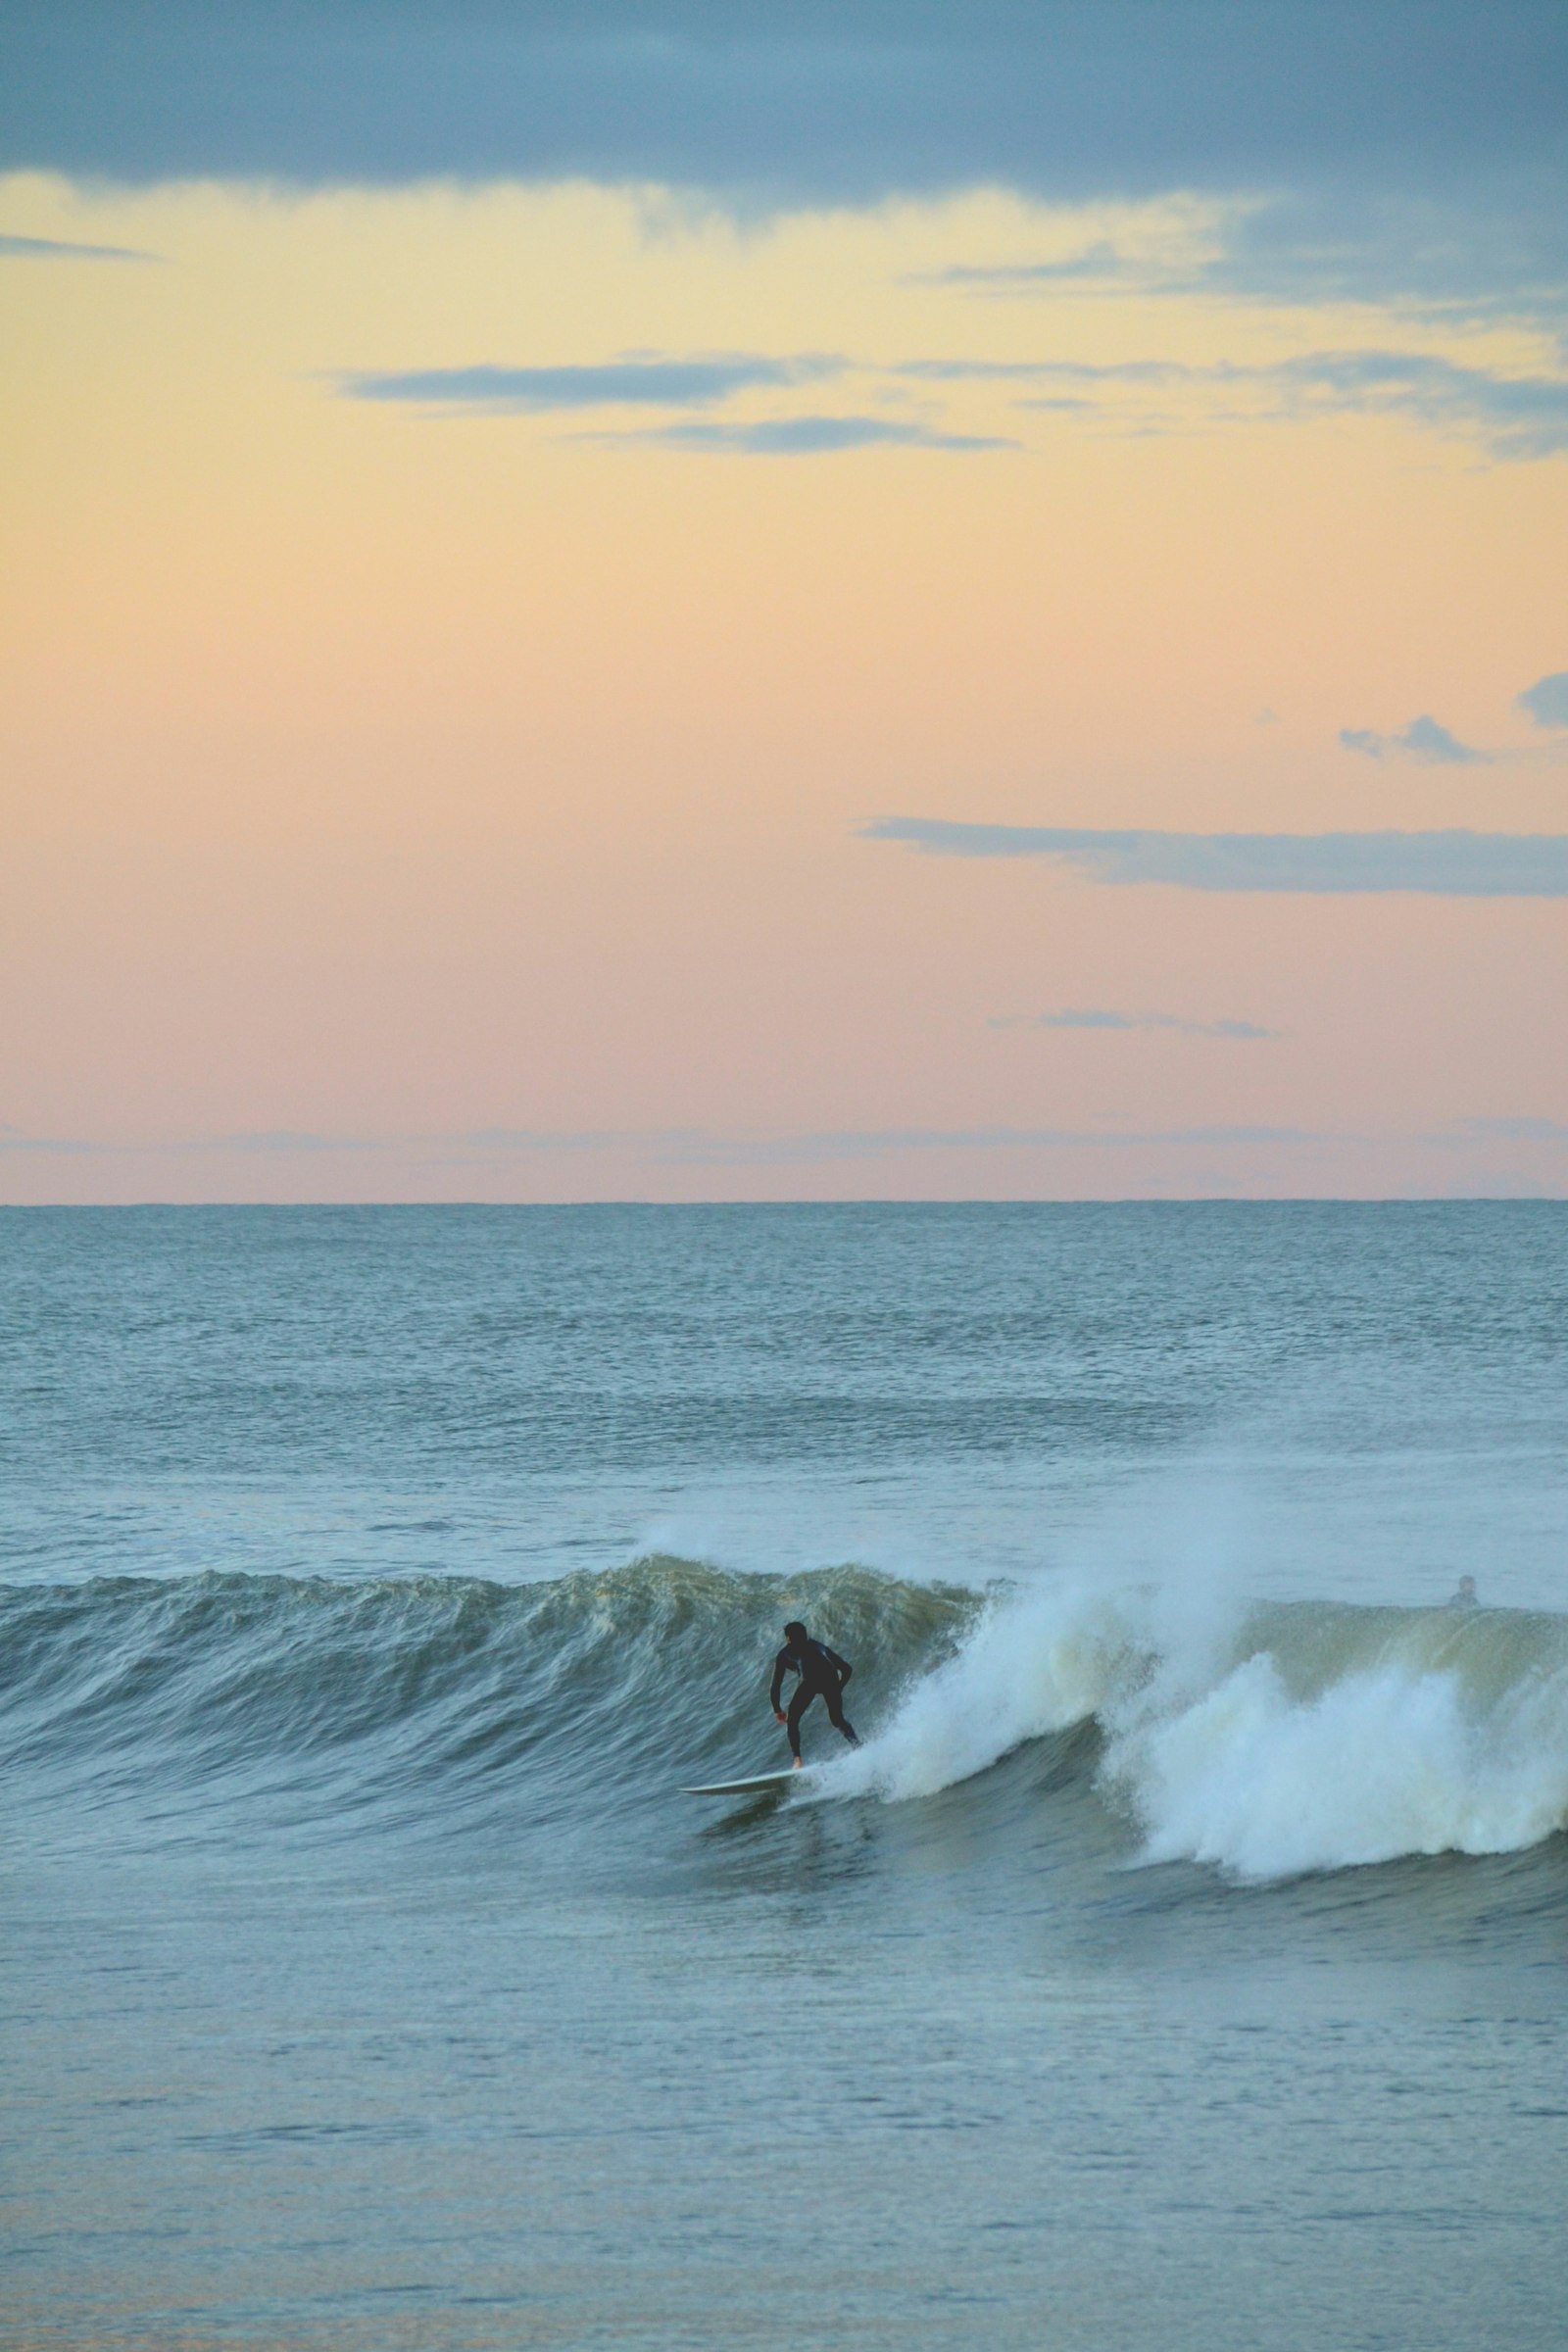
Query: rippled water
[(1181, 1962)]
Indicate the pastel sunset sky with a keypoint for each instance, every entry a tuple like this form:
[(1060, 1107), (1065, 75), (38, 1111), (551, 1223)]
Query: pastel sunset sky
[(677, 602)]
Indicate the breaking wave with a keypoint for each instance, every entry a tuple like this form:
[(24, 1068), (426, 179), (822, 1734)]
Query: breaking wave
[(1269, 1741), (1266, 1740)]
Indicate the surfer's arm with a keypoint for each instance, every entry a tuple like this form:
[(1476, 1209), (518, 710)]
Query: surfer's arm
[(841, 1666), (778, 1681)]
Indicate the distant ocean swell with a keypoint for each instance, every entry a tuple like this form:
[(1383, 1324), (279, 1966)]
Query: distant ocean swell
[(1266, 1742)]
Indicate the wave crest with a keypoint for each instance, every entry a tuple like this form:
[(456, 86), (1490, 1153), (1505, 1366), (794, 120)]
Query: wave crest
[(1268, 1740)]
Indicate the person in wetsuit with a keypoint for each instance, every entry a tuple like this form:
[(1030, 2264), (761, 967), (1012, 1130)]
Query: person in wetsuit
[(823, 1675)]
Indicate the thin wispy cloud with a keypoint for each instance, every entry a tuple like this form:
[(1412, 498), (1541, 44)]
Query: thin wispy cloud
[(633, 382), (11, 1139), (662, 1139), (772, 1147), (1448, 864), (267, 1141), (1500, 258), (1546, 701), (810, 436), (641, 380), (263, 1141), (1103, 268), (1516, 416), (1087, 1017), (1073, 371), (670, 1147), (1423, 740), (1519, 1129), (1100, 264), (1519, 417), (871, 1143), (59, 249)]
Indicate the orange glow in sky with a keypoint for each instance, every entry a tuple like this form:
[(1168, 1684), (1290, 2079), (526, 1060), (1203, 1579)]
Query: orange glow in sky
[(429, 784)]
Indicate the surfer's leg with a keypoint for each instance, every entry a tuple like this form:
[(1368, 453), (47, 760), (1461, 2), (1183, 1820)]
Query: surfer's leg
[(798, 1706), (838, 1719)]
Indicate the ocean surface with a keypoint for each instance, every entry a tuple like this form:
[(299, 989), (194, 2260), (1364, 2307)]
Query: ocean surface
[(1181, 1965)]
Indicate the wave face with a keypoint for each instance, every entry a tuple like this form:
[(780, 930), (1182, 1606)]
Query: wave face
[(1268, 1740), (434, 1699)]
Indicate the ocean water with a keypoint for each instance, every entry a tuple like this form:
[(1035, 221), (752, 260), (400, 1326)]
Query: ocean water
[(1180, 1966)]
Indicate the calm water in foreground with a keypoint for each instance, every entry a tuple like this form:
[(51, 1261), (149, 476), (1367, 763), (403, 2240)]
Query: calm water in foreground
[(1182, 1965)]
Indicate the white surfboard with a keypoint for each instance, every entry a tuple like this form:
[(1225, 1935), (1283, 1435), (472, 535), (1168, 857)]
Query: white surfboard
[(750, 1787)]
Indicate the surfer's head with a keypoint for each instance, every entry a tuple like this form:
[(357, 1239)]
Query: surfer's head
[(794, 1631)]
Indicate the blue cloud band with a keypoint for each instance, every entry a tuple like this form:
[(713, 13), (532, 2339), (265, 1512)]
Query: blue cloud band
[(1410, 150), (1451, 864), (832, 98)]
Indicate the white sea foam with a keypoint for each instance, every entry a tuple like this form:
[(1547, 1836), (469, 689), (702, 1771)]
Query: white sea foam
[(1266, 1743), (1383, 1763), (1026, 1669)]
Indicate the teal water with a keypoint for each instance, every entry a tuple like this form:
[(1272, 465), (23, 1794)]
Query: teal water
[(1182, 1961)]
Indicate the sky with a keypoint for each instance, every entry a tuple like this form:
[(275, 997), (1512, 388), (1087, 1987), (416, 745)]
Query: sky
[(677, 602)]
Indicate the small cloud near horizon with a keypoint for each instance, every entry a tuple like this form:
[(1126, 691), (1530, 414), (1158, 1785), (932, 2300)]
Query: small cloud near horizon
[(11, 1139), (1077, 1017), (1546, 701), (693, 1146), (721, 1147), (1425, 739), (1520, 1129)]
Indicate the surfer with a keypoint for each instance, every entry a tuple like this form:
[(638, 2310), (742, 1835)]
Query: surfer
[(823, 1675), (1465, 1597)]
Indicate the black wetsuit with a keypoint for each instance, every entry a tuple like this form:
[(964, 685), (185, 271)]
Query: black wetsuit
[(823, 1675)]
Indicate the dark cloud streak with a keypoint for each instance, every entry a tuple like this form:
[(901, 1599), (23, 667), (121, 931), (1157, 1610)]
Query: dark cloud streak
[(59, 249), (655, 382)]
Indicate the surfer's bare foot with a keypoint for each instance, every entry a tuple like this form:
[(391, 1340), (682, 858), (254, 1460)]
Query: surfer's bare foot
[(795, 1766)]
